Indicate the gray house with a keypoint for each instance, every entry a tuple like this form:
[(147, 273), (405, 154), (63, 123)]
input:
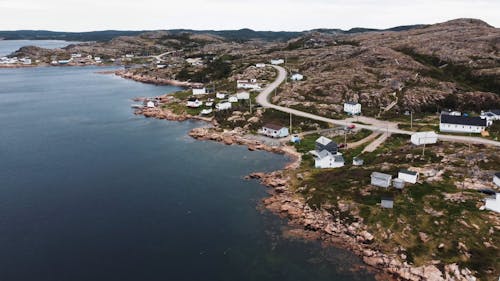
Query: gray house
[(398, 183), (387, 202), (381, 179), (327, 144), (356, 161)]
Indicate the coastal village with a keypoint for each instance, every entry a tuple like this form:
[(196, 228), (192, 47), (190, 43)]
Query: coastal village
[(413, 192)]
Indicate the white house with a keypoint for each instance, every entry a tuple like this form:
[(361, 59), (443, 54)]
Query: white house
[(206, 111), (491, 116), (247, 84), (461, 124), (129, 56), (493, 204), (194, 103), (150, 104), (97, 59), (381, 179), (201, 91), (195, 61), (274, 131), (220, 96), (424, 138), (297, 77), (233, 98), (496, 179), (260, 65), (243, 96), (76, 55), (223, 106), (398, 183), (408, 176), (352, 108), (324, 159), (277, 61)]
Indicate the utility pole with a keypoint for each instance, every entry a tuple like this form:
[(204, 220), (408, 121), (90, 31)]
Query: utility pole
[(423, 151), (250, 99), (291, 131), (411, 120)]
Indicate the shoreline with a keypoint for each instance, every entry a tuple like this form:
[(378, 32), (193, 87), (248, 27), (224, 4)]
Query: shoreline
[(156, 81), (306, 223)]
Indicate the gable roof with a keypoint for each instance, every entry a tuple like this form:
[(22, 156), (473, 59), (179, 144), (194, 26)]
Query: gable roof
[(497, 175), (273, 126), (338, 158), (323, 141), (323, 153), (387, 198), (463, 120), (408, 172), (381, 176), (351, 102), (495, 111)]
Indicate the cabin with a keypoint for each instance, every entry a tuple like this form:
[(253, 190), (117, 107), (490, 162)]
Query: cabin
[(356, 161), (223, 106), (209, 103), (277, 61), (352, 108), (325, 159), (387, 202), (243, 96), (260, 65), (496, 179), (398, 183), (295, 139), (491, 116), (247, 84), (274, 131), (206, 111), (408, 176), (233, 99), (461, 124), (150, 104), (381, 179), (493, 204), (297, 77), (327, 144), (194, 103), (424, 138), (220, 96), (200, 91)]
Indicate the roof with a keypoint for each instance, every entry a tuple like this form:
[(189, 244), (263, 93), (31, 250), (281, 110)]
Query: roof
[(381, 176), (495, 111), (323, 153), (273, 126), (497, 175), (338, 158), (408, 172), (463, 120), (386, 198), (351, 103), (323, 141)]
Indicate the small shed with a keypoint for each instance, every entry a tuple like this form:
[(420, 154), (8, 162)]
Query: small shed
[(387, 202), (220, 96), (150, 104), (398, 183), (424, 138), (243, 96), (295, 139), (356, 161), (233, 99), (408, 176), (381, 179), (201, 91), (297, 77)]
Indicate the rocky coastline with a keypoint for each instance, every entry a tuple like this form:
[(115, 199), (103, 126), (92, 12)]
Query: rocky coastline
[(155, 80), (307, 223)]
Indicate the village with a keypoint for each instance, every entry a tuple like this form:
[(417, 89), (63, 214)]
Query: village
[(381, 171)]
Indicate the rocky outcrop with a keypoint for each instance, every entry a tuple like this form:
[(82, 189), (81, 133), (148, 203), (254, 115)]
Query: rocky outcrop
[(143, 78)]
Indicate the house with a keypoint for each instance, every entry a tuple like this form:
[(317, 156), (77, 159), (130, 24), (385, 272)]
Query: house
[(381, 179), (200, 91), (452, 113), (223, 106), (297, 77), (352, 108), (493, 204), (491, 116), (260, 65), (194, 103), (274, 131), (356, 161), (97, 59), (195, 61), (243, 96), (129, 56), (387, 202), (220, 96), (209, 103), (325, 159), (424, 138), (247, 84), (233, 98), (398, 183), (76, 55), (496, 179), (206, 111), (277, 61), (327, 144), (408, 176), (461, 124), (150, 104)]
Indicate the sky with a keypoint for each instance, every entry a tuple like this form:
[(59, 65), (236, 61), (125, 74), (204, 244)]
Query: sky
[(288, 15)]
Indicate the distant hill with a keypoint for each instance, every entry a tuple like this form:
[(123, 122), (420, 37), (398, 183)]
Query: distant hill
[(232, 35)]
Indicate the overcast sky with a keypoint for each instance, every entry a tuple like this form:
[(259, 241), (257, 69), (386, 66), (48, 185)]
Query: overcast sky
[(293, 15)]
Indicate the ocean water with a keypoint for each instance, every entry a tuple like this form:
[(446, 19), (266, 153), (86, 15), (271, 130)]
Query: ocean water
[(9, 46), (88, 191)]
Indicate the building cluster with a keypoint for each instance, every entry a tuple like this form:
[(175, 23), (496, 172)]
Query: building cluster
[(456, 122), (15, 60), (386, 181)]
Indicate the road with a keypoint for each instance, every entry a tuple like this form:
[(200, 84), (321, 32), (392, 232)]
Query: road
[(377, 125), (159, 57)]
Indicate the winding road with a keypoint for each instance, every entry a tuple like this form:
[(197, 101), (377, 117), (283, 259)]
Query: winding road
[(378, 125)]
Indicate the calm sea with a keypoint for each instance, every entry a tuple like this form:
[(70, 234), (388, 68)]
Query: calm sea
[(88, 191)]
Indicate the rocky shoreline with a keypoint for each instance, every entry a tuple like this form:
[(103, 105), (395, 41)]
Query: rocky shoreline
[(155, 80), (312, 224)]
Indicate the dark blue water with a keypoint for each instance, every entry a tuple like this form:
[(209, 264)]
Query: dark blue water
[(88, 191), (9, 46)]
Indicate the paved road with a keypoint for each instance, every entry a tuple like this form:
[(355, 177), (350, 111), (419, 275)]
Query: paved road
[(380, 126)]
